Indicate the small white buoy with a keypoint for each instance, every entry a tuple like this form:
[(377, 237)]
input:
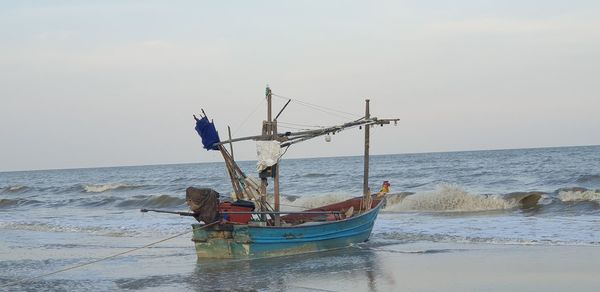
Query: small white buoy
[(327, 138)]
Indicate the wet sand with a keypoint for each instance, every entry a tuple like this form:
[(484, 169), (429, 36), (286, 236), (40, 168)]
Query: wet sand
[(172, 266), (470, 267)]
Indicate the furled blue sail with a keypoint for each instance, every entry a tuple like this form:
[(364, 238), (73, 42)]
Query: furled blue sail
[(208, 133)]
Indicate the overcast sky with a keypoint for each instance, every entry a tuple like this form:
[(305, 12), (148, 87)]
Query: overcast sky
[(107, 83)]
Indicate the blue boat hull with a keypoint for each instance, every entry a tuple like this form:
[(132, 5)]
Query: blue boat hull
[(244, 241)]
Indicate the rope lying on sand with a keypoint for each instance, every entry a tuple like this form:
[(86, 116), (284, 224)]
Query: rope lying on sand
[(104, 258)]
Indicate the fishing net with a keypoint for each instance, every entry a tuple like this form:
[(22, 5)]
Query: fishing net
[(204, 202)]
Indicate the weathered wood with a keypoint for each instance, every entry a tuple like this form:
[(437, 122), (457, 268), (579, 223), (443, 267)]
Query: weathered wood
[(309, 134), (276, 217), (229, 163), (366, 158), (230, 143)]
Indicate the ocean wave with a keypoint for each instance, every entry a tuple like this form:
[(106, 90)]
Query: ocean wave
[(294, 203), (93, 201), (14, 189), (448, 198), (579, 195), (46, 227), (4, 203), (587, 179), (309, 175), (146, 201), (99, 188), (152, 201)]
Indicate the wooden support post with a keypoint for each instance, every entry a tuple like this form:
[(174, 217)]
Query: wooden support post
[(266, 133), (230, 143), (263, 182), (366, 157), (263, 198), (269, 98), (229, 163), (277, 219)]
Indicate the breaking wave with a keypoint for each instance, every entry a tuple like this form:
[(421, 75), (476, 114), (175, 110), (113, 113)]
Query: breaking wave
[(579, 195), (448, 198), (99, 188), (294, 203)]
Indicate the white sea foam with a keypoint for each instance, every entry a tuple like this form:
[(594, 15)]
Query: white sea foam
[(312, 201), (99, 188), (449, 198), (15, 188), (578, 196), (393, 237), (47, 227)]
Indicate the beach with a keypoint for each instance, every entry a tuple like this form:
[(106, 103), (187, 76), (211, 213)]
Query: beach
[(419, 266)]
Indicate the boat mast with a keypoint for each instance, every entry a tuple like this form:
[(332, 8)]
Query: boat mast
[(269, 132), (265, 133), (366, 158), (274, 168)]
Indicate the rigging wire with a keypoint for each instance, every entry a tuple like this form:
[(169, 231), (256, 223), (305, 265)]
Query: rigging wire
[(284, 152), (300, 125), (251, 114), (294, 128), (338, 113)]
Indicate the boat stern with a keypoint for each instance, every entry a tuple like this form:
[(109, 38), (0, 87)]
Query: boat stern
[(221, 241)]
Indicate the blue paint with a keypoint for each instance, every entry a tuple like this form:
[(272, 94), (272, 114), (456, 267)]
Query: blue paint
[(266, 241)]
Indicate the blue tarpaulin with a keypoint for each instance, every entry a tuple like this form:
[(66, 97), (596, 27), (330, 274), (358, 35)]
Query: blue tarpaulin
[(208, 133)]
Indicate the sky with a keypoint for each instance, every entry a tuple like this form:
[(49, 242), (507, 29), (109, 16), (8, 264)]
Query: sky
[(111, 83)]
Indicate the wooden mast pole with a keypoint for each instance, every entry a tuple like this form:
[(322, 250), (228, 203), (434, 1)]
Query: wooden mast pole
[(275, 168), (266, 133), (366, 170)]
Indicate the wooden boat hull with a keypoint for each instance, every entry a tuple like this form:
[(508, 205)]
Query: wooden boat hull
[(227, 241)]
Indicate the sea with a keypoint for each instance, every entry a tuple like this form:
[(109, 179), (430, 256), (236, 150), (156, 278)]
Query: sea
[(51, 220)]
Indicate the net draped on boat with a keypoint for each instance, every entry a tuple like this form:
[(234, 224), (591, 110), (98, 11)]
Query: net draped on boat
[(204, 202)]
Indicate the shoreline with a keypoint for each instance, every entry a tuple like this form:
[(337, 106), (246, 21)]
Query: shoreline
[(372, 266)]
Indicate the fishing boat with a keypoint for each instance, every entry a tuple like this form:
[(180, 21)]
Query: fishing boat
[(251, 226)]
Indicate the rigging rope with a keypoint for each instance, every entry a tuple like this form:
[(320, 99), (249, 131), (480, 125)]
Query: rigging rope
[(294, 128), (251, 114), (344, 115), (300, 125), (104, 258)]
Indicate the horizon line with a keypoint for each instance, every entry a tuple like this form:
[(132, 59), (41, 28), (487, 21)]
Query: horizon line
[(298, 158)]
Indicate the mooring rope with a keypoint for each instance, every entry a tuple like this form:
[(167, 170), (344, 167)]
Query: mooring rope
[(104, 258)]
